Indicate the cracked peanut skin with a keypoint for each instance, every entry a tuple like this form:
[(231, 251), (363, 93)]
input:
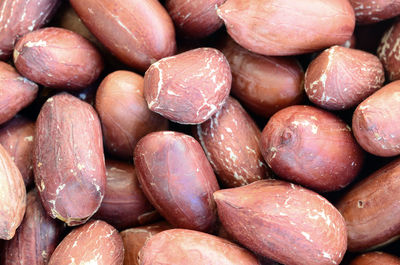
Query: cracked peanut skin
[(18, 17), (58, 58), (36, 237), (287, 27), (311, 147), (230, 140), (96, 242), (12, 196), (190, 87), (375, 121), (137, 32), (182, 246), (68, 160), (178, 180), (16, 92), (340, 78), (373, 11), (368, 205), (284, 222)]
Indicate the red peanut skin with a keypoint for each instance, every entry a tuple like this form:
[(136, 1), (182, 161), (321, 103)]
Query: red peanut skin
[(68, 159), (373, 11), (195, 19), (16, 92), (181, 246), (124, 114), (16, 136), (20, 17), (96, 242), (190, 87), (283, 222), (135, 238), (375, 258), (36, 238), (370, 209), (178, 180), (266, 27), (375, 121), (12, 196), (58, 58), (124, 205), (388, 50), (264, 84), (311, 147), (230, 140), (340, 78), (137, 32)]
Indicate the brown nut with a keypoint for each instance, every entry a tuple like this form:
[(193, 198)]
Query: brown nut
[(12, 196), (124, 205), (340, 78), (19, 17), (375, 258), (190, 87), (311, 147), (230, 140), (388, 50), (177, 178), (16, 92), (134, 239), (36, 238), (137, 32), (264, 84), (124, 114), (96, 242), (371, 211), (16, 136), (284, 222), (58, 58), (181, 246), (68, 159), (195, 19), (375, 121), (373, 11), (267, 26)]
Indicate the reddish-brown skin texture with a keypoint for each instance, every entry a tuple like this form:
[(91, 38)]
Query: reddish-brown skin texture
[(16, 136), (264, 84), (340, 78), (19, 17), (373, 11), (12, 196), (137, 32), (190, 87), (284, 222), (124, 114), (181, 247), (36, 237), (311, 147), (389, 49), (195, 19), (16, 92), (58, 58), (68, 159), (375, 121), (375, 258), (371, 209), (230, 140), (287, 27), (134, 239), (178, 180), (350, 43), (93, 243), (124, 205)]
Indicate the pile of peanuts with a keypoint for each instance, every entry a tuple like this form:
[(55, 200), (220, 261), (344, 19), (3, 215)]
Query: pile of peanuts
[(199, 132)]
